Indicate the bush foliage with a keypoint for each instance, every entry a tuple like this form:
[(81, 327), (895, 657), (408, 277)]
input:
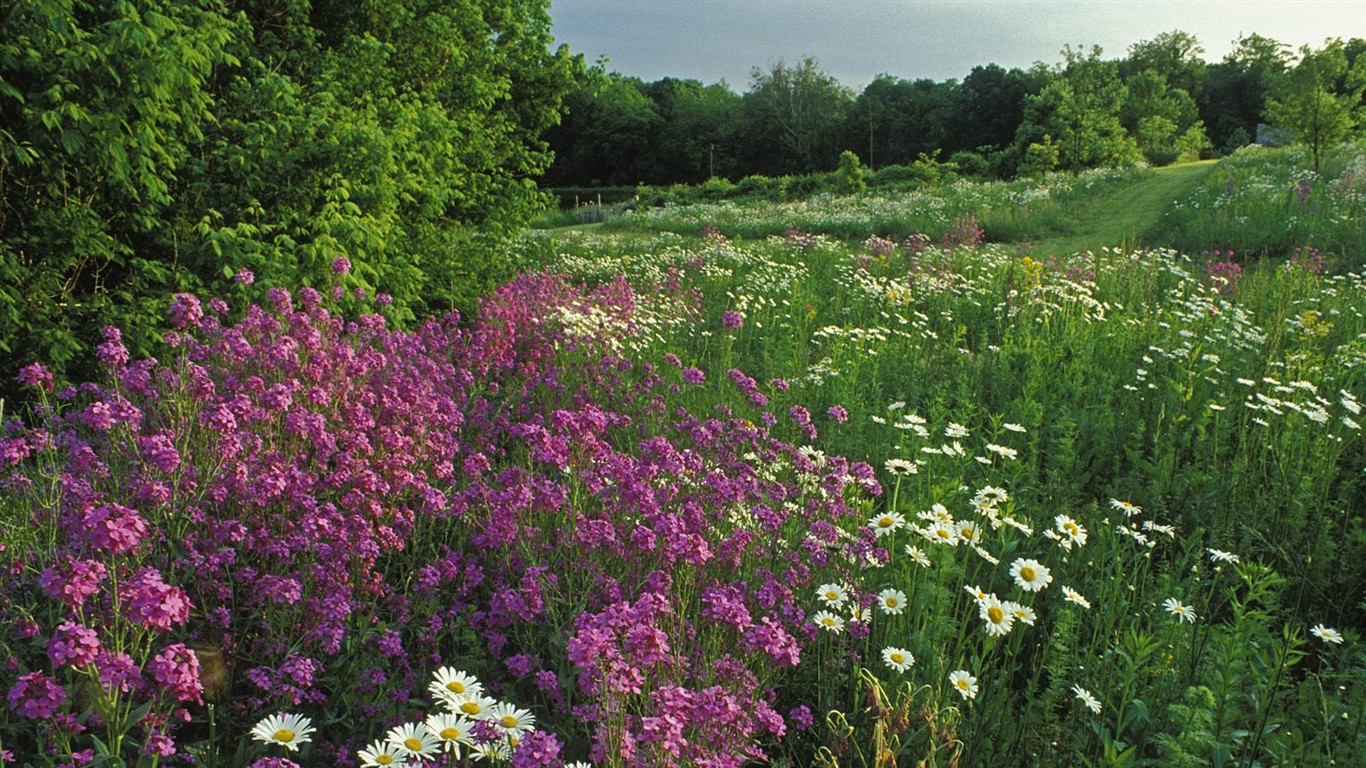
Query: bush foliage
[(168, 146)]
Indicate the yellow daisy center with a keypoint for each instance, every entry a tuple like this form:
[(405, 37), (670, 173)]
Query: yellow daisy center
[(455, 686), (995, 614), (413, 743), (943, 533), (961, 683), (897, 658), (509, 721), (828, 621), (1027, 573), (470, 708), (1071, 528), (832, 595), (384, 759), (885, 522), (968, 533), (891, 602), (284, 735), (450, 734)]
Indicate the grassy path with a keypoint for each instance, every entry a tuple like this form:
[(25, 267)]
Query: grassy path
[(1129, 215)]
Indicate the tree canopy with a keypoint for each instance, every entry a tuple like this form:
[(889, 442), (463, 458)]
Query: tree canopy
[(171, 145)]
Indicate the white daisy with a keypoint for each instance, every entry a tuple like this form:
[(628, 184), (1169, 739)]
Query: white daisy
[(832, 594), (1071, 529), (898, 659), (1181, 612), (1073, 596), (1030, 575), (1220, 556), (381, 753), (413, 740), (510, 720), (965, 684), (902, 467), (1022, 613), (449, 682), (886, 522), (828, 621), (473, 707), (1127, 508), (453, 731), (1091, 702), (969, 532), (918, 556), (892, 601), (998, 618), (286, 729), (1326, 634)]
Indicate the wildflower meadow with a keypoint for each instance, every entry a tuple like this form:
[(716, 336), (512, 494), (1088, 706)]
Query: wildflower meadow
[(712, 486)]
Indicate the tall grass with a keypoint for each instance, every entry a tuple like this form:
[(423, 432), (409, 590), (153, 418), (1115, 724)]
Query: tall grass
[(1266, 203)]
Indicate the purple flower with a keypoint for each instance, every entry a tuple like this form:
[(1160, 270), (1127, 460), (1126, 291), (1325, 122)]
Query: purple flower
[(341, 265), (244, 276), (837, 414), (801, 717), (732, 319), (160, 452), (112, 352), (115, 529), (274, 762), (159, 744), (153, 603), (538, 748), (185, 311), (36, 375), (693, 376), (118, 672), (73, 583), (36, 696), (73, 644), (176, 670)]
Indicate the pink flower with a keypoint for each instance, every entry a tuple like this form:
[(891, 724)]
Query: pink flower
[(155, 604), (36, 375), (36, 696), (73, 644), (115, 529), (185, 311), (176, 670)]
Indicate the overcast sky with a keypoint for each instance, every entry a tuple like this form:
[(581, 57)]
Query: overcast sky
[(855, 40)]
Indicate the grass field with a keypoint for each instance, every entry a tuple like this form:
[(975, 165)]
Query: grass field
[(981, 475)]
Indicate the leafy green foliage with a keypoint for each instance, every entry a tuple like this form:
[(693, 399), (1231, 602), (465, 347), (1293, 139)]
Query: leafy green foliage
[(165, 146), (1318, 99)]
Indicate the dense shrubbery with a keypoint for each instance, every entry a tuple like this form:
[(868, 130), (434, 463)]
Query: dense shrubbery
[(162, 147)]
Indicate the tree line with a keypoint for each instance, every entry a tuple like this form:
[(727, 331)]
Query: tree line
[(1160, 103)]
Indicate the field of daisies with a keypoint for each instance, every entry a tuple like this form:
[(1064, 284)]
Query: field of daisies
[(696, 495)]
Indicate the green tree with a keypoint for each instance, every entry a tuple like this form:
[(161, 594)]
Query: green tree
[(793, 114), (1080, 109), (164, 145), (1318, 99), (1155, 113), (607, 135), (894, 121), (1234, 95)]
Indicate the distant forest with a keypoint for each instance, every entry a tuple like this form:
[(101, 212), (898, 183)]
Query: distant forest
[(1161, 103)]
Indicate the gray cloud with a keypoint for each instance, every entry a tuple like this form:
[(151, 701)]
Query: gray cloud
[(855, 40)]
